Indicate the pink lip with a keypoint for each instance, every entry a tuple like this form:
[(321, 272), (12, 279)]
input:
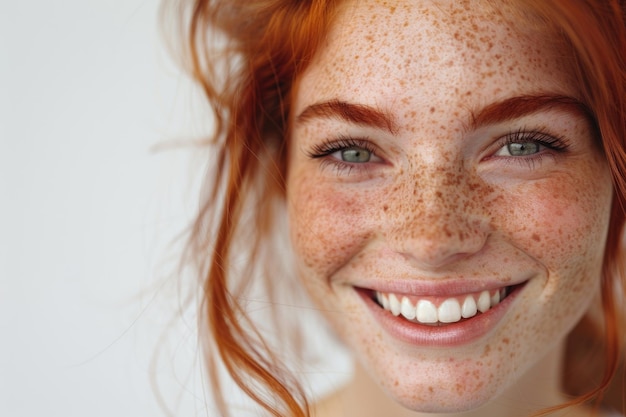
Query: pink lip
[(449, 288), (449, 335)]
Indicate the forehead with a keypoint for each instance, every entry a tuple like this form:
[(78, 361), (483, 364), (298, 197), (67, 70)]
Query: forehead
[(427, 52)]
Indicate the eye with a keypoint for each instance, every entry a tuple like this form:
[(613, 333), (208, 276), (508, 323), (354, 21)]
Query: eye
[(519, 149), (347, 156), (346, 150), (353, 155), (528, 144)]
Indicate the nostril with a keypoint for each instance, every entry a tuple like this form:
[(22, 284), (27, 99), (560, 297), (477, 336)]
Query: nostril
[(434, 260), (434, 241), (447, 248)]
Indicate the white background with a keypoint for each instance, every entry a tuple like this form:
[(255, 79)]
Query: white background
[(89, 211)]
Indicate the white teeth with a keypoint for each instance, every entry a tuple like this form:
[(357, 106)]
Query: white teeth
[(394, 305), (407, 309), (495, 299), (426, 312), (384, 301), (449, 311), (469, 307), (484, 302)]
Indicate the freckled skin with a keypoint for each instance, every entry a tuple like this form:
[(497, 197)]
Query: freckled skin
[(439, 205)]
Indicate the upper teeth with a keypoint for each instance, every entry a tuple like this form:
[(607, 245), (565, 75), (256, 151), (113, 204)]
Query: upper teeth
[(450, 310)]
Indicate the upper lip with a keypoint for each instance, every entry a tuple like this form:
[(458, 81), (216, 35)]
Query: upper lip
[(382, 269), (441, 287)]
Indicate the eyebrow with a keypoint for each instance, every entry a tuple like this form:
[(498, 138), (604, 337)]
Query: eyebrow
[(516, 107), (359, 114), (498, 112)]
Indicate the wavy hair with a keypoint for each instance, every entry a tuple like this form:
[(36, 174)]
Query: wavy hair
[(246, 55)]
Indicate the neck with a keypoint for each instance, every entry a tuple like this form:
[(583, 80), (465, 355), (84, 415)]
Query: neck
[(537, 389)]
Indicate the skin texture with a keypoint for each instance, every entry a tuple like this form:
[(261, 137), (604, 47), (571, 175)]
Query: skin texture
[(440, 203)]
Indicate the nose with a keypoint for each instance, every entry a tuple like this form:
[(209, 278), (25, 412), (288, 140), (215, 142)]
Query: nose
[(444, 218)]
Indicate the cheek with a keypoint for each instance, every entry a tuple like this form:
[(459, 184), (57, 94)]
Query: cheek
[(561, 222), (327, 223)]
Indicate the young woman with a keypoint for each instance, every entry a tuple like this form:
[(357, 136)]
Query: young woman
[(453, 174)]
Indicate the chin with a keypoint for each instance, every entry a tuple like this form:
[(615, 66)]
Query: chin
[(446, 392), (441, 399)]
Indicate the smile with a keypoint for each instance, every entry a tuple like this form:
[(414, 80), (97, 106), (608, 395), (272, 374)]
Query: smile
[(440, 320), (438, 310)]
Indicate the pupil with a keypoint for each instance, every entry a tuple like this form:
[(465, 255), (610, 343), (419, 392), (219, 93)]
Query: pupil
[(518, 149), (356, 155)]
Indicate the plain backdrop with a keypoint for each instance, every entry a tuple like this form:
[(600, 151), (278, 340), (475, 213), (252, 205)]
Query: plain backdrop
[(90, 207)]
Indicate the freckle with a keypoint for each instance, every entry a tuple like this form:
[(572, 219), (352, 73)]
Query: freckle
[(432, 109), (506, 341), (385, 207), (536, 237)]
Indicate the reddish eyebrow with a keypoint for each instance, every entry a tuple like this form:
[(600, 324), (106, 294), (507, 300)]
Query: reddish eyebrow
[(508, 109), (355, 113), (516, 107)]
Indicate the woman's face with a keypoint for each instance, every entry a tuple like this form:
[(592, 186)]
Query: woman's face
[(440, 160)]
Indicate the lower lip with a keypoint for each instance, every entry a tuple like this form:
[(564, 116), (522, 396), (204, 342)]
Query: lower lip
[(448, 335)]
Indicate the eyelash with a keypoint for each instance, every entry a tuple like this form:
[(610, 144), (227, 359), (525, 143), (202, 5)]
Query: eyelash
[(553, 143), (329, 147), (556, 144)]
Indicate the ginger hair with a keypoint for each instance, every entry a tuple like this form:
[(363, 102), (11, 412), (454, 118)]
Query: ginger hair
[(246, 55)]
